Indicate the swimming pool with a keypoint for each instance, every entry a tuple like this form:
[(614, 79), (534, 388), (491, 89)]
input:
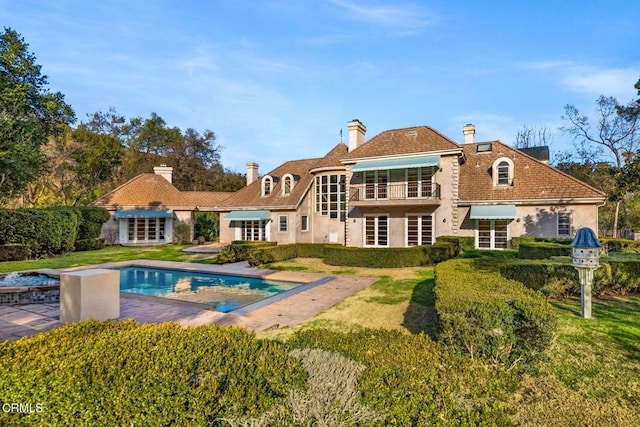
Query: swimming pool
[(224, 292)]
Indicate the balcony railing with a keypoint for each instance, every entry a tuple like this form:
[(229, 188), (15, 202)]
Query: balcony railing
[(394, 191)]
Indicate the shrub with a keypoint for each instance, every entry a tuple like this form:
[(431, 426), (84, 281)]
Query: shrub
[(453, 240), (388, 257), (559, 279), (266, 255), (239, 250), (91, 222), (516, 241), (14, 252), (89, 244), (486, 315), (621, 245), (206, 225), (123, 373), (312, 250), (44, 231), (182, 233), (542, 250), (467, 243), (411, 380)]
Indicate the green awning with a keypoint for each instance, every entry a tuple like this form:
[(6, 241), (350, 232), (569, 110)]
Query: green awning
[(493, 212), (403, 163), (259, 215), (142, 213)]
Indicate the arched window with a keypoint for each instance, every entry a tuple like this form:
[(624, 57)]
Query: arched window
[(287, 184), (503, 172), (267, 185)]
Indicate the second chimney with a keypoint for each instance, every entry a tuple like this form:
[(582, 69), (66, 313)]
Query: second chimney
[(252, 172), (356, 134), (164, 171), (469, 131)]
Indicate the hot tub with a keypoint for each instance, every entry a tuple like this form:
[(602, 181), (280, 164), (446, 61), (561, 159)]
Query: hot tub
[(28, 288)]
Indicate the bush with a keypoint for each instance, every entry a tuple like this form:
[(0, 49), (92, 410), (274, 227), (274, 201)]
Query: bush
[(411, 380), (388, 257), (182, 234), (486, 315), (467, 243), (89, 245), (123, 373), (14, 252), (206, 225), (91, 222), (621, 245), (454, 240), (516, 241), (239, 250), (44, 231), (559, 279), (542, 250), (266, 255)]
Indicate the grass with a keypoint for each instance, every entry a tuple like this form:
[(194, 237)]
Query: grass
[(110, 254)]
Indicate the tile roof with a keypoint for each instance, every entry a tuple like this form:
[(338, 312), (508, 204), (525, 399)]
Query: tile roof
[(151, 190), (251, 195), (418, 139), (531, 180), (332, 159)]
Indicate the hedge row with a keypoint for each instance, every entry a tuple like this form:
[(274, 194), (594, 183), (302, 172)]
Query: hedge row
[(122, 373), (483, 314), (558, 279), (51, 231), (389, 257), (516, 241), (621, 245), (542, 250), (14, 251), (239, 250)]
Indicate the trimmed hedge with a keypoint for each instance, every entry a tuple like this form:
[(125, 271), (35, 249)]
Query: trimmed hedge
[(410, 380), (621, 245), (558, 279), (239, 250), (14, 252), (454, 240), (516, 241), (388, 257), (91, 222), (123, 373), (44, 231), (485, 315), (89, 245), (542, 250)]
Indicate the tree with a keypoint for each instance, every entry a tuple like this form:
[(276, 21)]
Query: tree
[(614, 139), (528, 137), (29, 113)]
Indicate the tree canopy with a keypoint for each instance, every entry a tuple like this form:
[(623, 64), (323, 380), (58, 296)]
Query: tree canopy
[(29, 114)]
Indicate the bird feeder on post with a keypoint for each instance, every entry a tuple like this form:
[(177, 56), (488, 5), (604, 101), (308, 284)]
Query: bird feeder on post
[(586, 253)]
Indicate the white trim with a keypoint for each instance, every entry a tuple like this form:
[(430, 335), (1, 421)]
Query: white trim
[(284, 184), (510, 171), (376, 232), (492, 234), (405, 156), (570, 214), (302, 229), (271, 182), (419, 215), (286, 223)]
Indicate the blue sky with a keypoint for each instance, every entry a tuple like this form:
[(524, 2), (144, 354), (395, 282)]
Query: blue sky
[(277, 80)]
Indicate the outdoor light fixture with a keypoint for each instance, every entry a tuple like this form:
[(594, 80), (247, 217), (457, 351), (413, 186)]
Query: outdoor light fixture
[(586, 250)]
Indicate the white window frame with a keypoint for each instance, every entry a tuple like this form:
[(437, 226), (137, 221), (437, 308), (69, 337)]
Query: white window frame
[(267, 179), (510, 173), (559, 215), (492, 234), (376, 230), (303, 226), (331, 196), (139, 224), (420, 230), (241, 230), (287, 178), (422, 173), (283, 223)]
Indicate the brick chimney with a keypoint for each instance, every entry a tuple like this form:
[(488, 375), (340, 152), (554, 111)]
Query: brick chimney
[(252, 172), (164, 171), (356, 134), (469, 131)]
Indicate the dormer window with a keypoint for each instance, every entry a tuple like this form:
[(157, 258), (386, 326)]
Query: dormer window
[(287, 184), (503, 172), (267, 185)]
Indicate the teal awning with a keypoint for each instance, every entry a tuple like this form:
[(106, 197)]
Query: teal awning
[(403, 163), (493, 212), (142, 213), (248, 216)]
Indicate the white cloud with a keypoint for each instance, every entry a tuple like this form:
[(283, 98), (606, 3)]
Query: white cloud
[(404, 19)]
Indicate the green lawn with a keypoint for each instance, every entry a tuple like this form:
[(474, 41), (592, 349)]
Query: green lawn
[(110, 254)]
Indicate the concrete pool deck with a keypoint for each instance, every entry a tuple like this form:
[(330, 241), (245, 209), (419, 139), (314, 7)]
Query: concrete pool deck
[(293, 309)]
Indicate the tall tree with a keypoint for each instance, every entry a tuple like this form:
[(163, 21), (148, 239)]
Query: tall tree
[(614, 138), (29, 113)]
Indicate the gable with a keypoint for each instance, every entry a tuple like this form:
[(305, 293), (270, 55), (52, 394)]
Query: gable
[(532, 180)]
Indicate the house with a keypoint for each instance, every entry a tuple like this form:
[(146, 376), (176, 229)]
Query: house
[(146, 209), (405, 187)]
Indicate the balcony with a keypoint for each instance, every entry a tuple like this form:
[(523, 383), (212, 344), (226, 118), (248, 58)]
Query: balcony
[(394, 194)]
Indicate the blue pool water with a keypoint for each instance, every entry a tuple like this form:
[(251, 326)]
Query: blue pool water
[(224, 292)]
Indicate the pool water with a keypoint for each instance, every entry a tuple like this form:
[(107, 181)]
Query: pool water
[(27, 279), (224, 292)]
